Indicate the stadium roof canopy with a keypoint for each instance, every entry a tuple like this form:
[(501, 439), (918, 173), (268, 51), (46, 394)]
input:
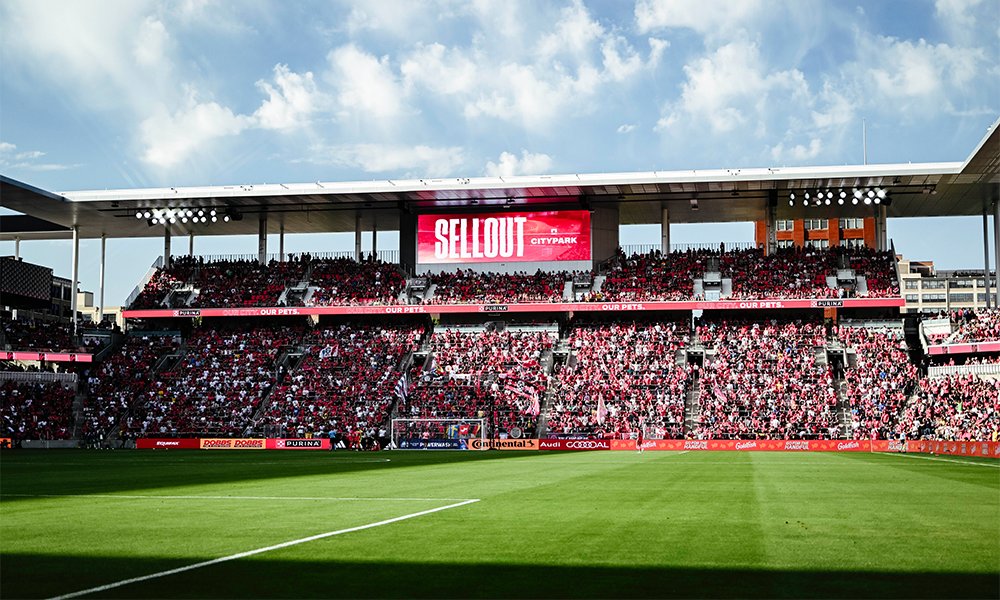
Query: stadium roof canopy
[(723, 195)]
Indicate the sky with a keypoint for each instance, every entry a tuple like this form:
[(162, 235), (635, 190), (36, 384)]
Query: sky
[(147, 93)]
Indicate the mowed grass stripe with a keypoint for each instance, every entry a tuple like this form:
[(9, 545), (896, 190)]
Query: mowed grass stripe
[(596, 524)]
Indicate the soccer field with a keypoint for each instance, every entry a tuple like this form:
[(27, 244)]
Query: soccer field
[(464, 524)]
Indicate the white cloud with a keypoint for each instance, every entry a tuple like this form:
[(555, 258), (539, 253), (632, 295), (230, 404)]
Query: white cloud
[(447, 71), (417, 160), (27, 160), (838, 110), (366, 86), (574, 34), (169, 139), (528, 164), (291, 100), (531, 73), (621, 62), (710, 18), (906, 69), (958, 14), (150, 45), (797, 153), (730, 88), (626, 128), (656, 49)]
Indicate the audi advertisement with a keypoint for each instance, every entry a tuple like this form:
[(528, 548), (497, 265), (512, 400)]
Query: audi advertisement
[(551, 236)]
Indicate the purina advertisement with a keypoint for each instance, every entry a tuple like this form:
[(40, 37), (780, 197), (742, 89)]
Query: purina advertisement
[(504, 237)]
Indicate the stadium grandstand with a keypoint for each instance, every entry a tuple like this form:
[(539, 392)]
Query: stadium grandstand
[(512, 310)]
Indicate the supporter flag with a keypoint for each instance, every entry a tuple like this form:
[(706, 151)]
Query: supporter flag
[(403, 387), (463, 429), (602, 410), (535, 407), (326, 352)]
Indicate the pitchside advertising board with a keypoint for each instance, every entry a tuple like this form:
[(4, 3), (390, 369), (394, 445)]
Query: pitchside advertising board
[(232, 444), (553, 236)]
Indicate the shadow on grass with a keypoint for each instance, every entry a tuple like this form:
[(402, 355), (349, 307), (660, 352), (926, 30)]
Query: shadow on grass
[(33, 576), (105, 472)]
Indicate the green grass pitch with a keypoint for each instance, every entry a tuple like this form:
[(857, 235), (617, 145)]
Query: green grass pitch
[(550, 525)]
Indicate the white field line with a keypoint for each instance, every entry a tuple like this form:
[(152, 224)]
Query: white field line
[(197, 497), (240, 555), (951, 460)]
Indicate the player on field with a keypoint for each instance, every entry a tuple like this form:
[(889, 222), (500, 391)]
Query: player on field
[(639, 438)]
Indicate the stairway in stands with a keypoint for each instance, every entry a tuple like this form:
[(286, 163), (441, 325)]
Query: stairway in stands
[(552, 361)]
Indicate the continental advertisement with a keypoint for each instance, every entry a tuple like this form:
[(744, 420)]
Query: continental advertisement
[(506, 444)]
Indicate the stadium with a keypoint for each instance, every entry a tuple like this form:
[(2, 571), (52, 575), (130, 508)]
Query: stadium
[(518, 400)]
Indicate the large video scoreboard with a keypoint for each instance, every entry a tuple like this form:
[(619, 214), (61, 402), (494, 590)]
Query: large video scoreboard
[(537, 237)]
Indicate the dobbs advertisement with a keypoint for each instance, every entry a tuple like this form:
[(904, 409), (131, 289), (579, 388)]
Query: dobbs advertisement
[(504, 237), (233, 444)]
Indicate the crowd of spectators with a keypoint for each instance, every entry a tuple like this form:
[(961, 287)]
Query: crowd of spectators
[(621, 377), (954, 408), (786, 273), (469, 287), (219, 384), (765, 382), (878, 268), (36, 410), (122, 383), (475, 373), (345, 384), (879, 385), (652, 277), (971, 326), (346, 281), (39, 335)]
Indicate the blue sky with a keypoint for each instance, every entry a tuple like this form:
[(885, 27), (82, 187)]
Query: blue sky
[(145, 93)]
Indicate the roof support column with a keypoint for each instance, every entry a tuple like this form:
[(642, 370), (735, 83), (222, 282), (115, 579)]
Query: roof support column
[(191, 244), (996, 248), (986, 254), (665, 230), (100, 307), (881, 235), (76, 275), (374, 239), (17, 248), (357, 237), (262, 239), (166, 246), (281, 242), (770, 223)]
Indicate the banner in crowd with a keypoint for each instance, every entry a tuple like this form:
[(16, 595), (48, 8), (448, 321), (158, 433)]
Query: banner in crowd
[(535, 307), (168, 443), (505, 444), (504, 237)]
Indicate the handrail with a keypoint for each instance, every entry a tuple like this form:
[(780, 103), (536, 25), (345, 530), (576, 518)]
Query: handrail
[(66, 379), (945, 370)]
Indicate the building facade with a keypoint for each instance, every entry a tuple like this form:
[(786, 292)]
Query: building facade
[(927, 290), (819, 233)]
